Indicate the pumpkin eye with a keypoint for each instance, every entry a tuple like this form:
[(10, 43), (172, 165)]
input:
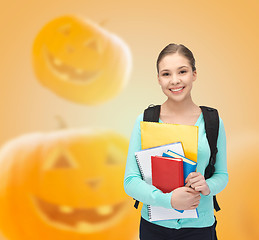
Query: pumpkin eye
[(94, 44), (59, 160), (65, 29), (62, 162), (115, 156)]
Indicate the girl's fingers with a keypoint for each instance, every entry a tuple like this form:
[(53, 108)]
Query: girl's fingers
[(191, 175), (196, 179), (188, 184), (194, 206), (199, 188), (192, 191), (198, 183)]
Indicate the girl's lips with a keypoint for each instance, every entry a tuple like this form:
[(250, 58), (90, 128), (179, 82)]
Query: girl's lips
[(176, 90)]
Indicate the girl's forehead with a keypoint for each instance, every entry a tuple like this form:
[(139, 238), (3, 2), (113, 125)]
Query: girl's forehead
[(174, 61)]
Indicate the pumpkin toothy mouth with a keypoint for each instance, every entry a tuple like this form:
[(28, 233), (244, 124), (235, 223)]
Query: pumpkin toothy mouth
[(83, 220), (69, 73)]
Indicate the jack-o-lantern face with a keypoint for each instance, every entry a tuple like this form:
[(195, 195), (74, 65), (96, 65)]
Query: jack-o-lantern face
[(66, 185), (80, 61)]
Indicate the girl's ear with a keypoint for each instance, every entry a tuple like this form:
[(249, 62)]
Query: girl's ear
[(158, 79), (194, 75)]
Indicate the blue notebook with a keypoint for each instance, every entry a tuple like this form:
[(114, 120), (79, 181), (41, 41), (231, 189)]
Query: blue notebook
[(188, 165)]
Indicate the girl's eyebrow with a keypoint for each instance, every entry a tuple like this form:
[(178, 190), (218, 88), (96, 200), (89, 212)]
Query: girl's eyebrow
[(169, 69)]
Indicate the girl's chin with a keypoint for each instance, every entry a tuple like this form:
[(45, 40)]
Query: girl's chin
[(178, 98)]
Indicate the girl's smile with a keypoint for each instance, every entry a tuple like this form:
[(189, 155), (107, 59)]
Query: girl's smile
[(177, 90)]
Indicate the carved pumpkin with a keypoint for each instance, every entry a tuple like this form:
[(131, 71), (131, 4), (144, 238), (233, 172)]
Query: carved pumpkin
[(65, 185), (238, 218), (80, 61)]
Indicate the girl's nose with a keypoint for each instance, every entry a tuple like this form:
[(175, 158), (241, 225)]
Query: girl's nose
[(174, 80)]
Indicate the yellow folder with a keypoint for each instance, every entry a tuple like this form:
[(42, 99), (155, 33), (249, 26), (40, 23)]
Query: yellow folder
[(155, 134)]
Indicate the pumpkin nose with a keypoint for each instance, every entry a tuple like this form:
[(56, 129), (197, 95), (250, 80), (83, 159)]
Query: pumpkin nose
[(94, 183)]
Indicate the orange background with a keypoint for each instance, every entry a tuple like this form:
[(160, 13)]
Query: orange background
[(223, 36)]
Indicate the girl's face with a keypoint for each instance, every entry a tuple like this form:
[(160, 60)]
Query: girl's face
[(176, 77)]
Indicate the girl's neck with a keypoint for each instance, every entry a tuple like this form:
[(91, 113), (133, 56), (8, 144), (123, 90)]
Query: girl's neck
[(179, 108)]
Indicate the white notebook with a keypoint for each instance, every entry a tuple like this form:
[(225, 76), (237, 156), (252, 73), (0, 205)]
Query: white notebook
[(143, 158), (159, 213)]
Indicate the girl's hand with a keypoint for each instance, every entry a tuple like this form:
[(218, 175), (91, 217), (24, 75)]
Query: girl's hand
[(197, 181), (185, 198)]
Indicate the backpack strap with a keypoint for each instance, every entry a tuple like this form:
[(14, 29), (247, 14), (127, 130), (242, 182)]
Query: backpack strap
[(151, 114), (211, 119)]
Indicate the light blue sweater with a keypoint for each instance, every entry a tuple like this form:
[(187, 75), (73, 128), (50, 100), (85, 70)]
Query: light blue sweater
[(149, 195)]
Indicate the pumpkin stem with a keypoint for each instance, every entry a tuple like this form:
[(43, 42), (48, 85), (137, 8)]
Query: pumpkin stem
[(103, 22), (62, 123)]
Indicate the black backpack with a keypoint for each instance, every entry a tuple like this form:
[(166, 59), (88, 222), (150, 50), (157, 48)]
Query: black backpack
[(211, 119)]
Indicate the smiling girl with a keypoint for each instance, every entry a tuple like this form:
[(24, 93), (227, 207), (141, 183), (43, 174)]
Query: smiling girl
[(176, 73)]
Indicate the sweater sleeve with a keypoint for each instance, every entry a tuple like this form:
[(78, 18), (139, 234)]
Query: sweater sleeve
[(219, 179), (134, 185)]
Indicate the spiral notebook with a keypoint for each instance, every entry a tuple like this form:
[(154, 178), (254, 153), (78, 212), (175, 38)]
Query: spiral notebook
[(143, 159)]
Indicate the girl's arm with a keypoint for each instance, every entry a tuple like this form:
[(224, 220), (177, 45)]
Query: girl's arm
[(133, 184)]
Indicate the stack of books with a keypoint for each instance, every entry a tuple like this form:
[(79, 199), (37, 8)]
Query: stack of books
[(166, 165)]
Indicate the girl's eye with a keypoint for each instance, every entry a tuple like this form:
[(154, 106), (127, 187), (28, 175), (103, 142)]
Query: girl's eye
[(165, 74), (182, 71)]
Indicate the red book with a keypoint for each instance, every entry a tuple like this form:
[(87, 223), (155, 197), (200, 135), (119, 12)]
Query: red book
[(167, 173)]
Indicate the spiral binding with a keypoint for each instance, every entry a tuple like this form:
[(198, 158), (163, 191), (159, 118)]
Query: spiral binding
[(149, 212), (142, 174), (139, 166)]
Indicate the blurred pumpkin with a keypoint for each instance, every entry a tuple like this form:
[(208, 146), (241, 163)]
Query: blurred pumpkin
[(65, 185), (238, 218), (80, 61)]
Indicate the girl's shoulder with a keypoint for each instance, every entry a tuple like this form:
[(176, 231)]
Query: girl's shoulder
[(139, 118)]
